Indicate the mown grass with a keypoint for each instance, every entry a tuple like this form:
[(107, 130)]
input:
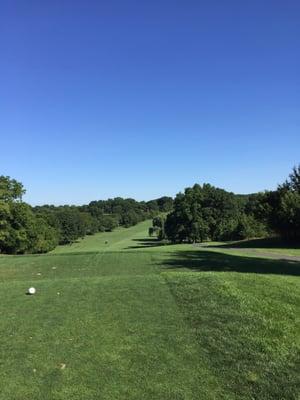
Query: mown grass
[(262, 246), (119, 239), (247, 330), (130, 319)]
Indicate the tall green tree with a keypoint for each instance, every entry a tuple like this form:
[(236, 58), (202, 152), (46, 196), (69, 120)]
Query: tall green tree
[(10, 189), (209, 213), (20, 229)]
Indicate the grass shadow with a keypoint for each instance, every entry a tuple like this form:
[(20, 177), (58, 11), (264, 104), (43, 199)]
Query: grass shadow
[(263, 243), (147, 243), (212, 261)]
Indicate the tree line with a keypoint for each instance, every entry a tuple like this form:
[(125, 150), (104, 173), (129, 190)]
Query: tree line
[(26, 229), (200, 213), (208, 213)]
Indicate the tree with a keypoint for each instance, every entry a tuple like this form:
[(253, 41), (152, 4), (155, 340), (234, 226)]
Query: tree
[(71, 225), (283, 207), (293, 182), (23, 232), (165, 203), (90, 224), (248, 227), (42, 237), (288, 215), (108, 223), (158, 222), (198, 213), (151, 231), (20, 229), (10, 189), (158, 227)]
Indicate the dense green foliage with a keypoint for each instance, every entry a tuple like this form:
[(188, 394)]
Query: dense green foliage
[(280, 209), (209, 213), (10, 189), (73, 222), (21, 231), (158, 227), (286, 213), (199, 214), (24, 229)]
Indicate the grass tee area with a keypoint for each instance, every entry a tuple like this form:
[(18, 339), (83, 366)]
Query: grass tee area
[(118, 317)]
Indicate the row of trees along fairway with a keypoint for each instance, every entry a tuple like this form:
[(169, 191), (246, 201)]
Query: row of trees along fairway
[(209, 213), (200, 213), (26, 229)]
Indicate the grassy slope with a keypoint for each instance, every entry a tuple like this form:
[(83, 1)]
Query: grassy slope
[(129, 320), (117, 240), (264, 246)]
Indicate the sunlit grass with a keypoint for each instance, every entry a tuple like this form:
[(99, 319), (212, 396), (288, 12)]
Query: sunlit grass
[(130, 319)]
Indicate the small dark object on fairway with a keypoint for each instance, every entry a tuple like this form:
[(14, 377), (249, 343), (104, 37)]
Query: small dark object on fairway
[(106, 241)]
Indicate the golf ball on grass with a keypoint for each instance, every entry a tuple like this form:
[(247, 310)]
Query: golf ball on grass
[(31, 290)]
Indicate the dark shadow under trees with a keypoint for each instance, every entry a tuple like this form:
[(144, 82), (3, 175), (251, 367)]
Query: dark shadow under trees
[(212, 261), (263, 243), (146, 243)]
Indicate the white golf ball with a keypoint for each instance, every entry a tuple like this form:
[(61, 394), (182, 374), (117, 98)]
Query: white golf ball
[(31, 290)]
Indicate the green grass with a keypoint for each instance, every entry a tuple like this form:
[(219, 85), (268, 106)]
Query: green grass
[(116, 240), (135, 320), (268, 245)]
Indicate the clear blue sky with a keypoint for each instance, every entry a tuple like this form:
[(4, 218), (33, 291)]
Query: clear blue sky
[(144, 98)]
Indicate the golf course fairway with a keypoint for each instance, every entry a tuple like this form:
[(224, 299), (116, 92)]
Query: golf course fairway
[(117, 316)]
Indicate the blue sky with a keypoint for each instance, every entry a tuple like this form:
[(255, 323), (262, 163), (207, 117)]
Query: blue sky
[(144, 98)]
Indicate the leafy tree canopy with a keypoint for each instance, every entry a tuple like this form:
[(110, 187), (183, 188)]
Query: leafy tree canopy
[(10, 189)]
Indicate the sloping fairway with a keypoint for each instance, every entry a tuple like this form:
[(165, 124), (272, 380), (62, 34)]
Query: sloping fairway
[(131, 320)]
